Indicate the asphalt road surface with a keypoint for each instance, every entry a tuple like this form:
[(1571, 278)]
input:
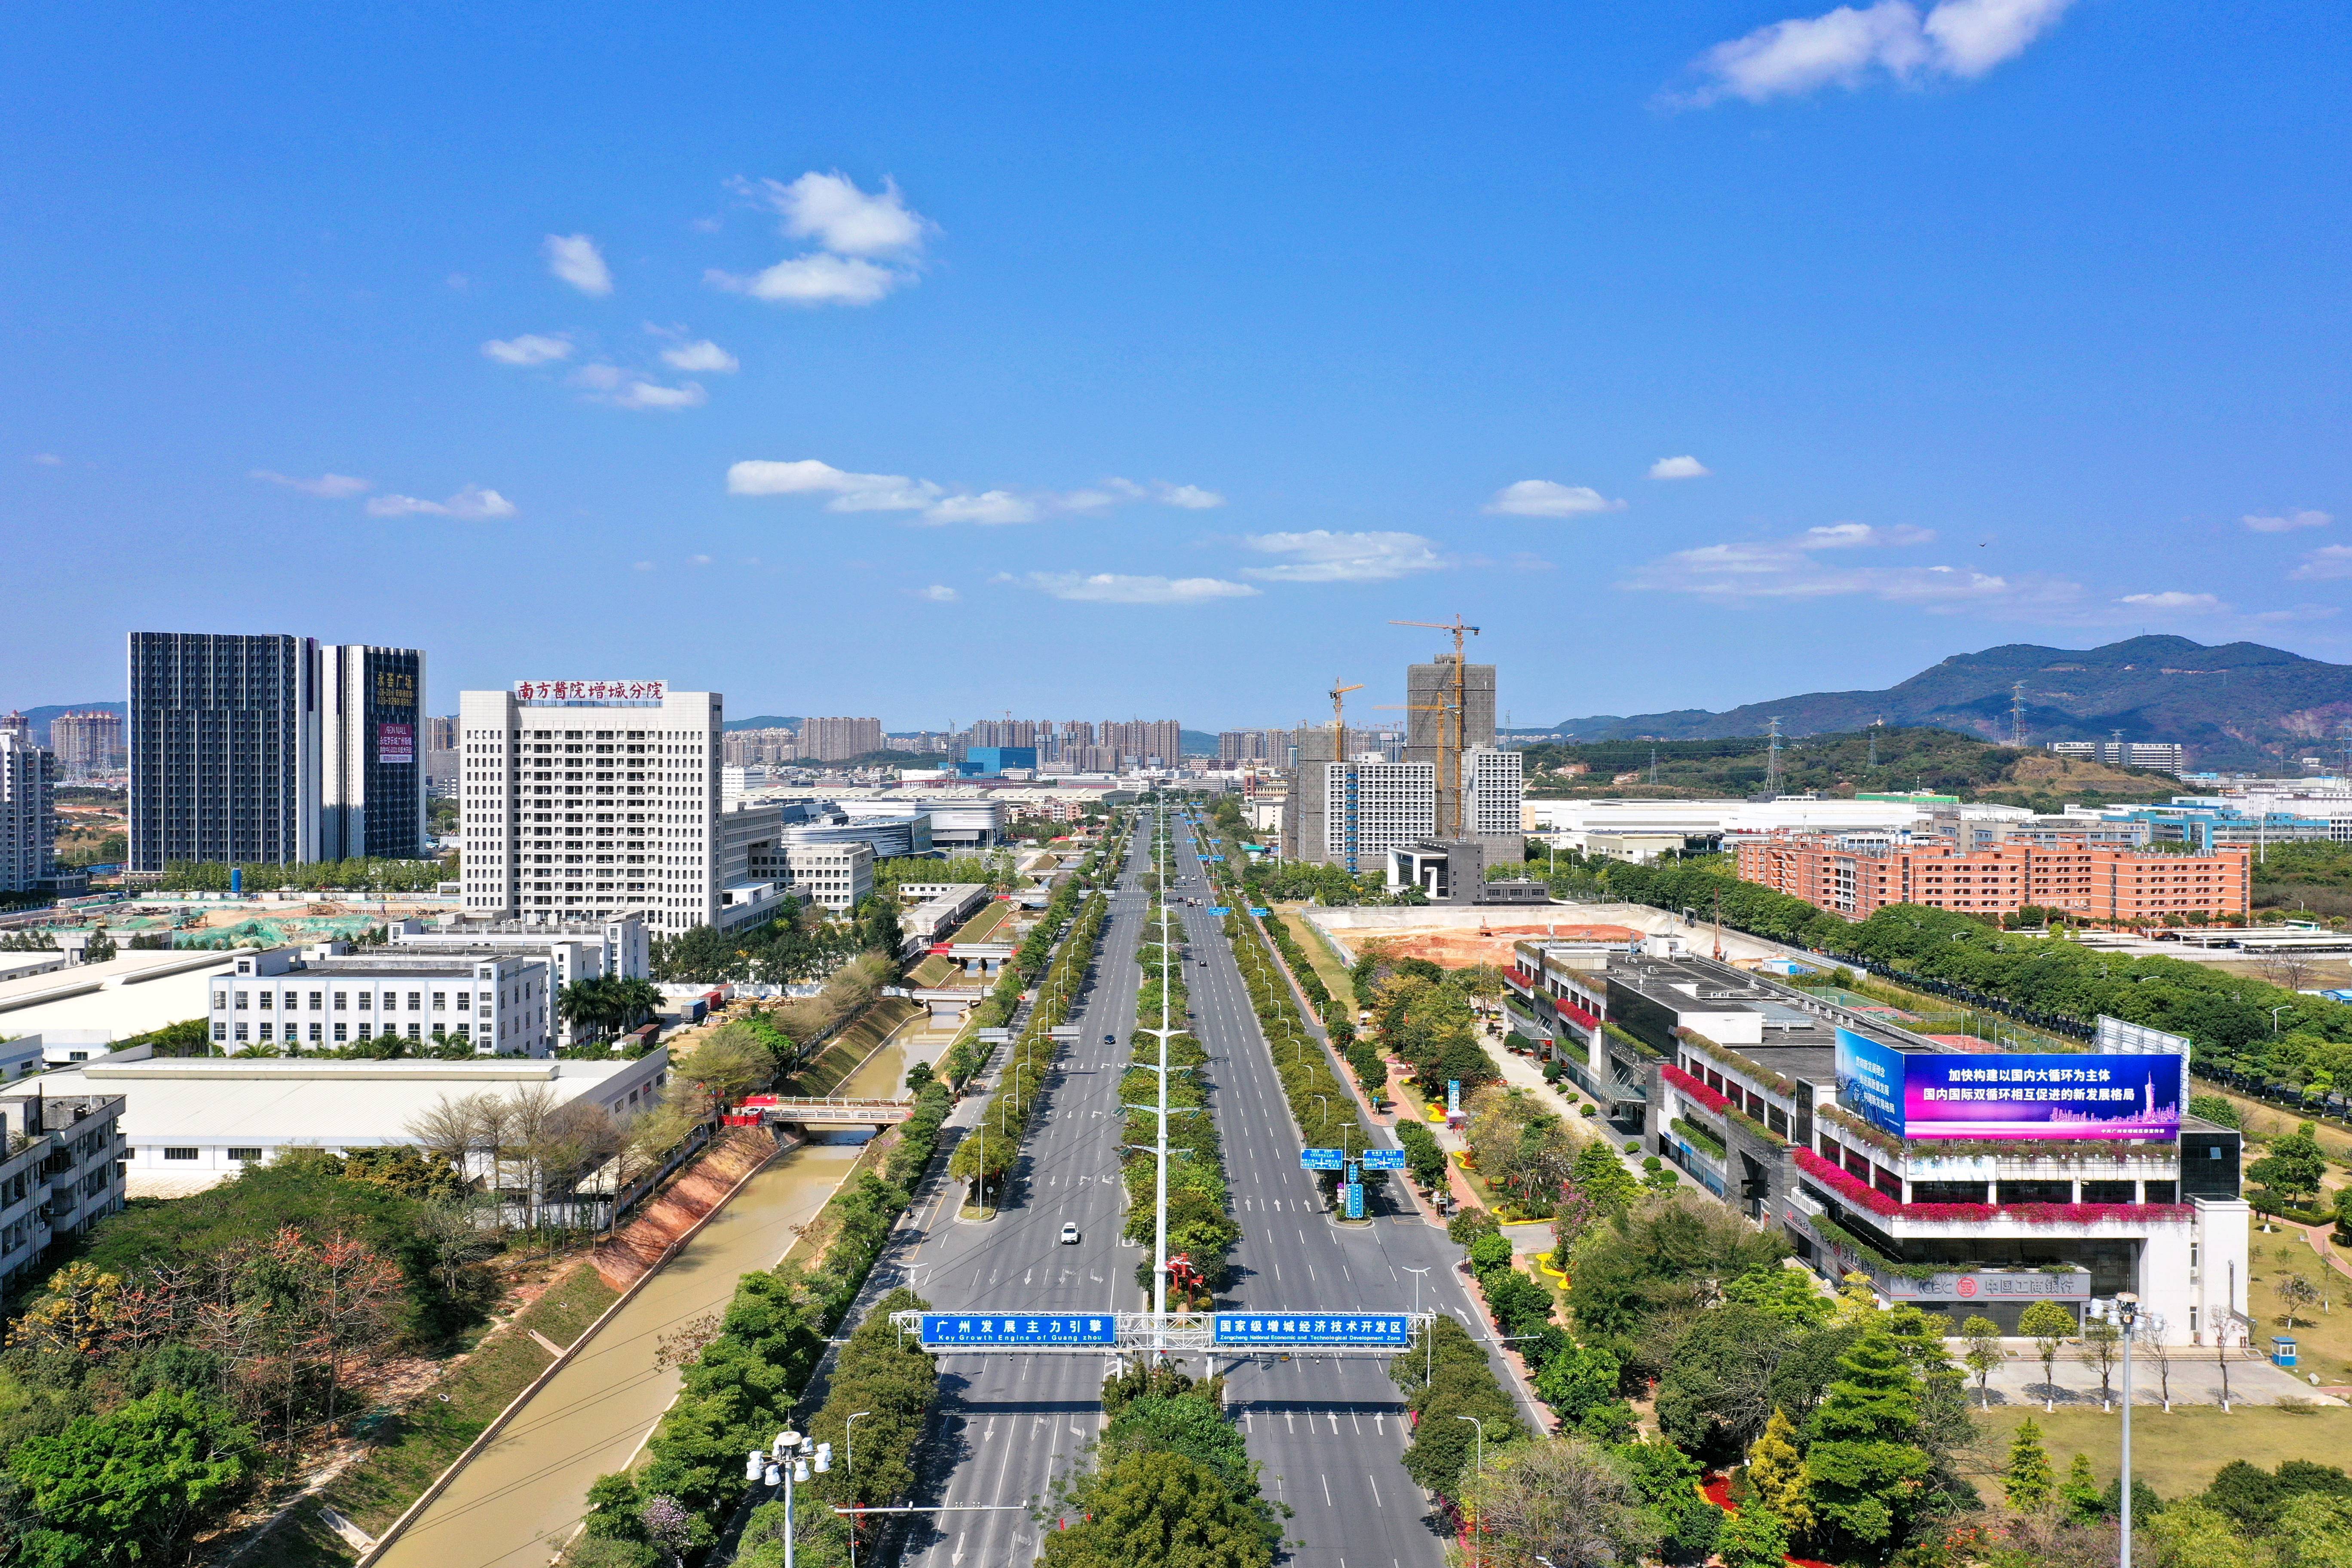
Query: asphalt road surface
[(1330, 1432)]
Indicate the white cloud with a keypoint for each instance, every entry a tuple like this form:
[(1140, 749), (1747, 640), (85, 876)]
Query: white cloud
[(989, 506), (650, 395), (598, 377), (1795, 568), (326, 487), (851, 229), (832, 210), (1192, 498), (2287, 522), (697, 560), (2325, 564), (2173, 599), (850, 492), (1543, 497), (473, 503), (1679, 469), (1956, 38), (528, 350), (47, 459), (1321, 555), (937, 503), (704, 357), (575, 258), (816, 280), (939, 594), (1115, 588)]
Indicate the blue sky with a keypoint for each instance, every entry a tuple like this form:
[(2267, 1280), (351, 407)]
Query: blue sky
[(931, 361)]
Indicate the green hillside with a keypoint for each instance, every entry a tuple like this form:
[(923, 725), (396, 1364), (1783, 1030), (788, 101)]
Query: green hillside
[(1922, 758)]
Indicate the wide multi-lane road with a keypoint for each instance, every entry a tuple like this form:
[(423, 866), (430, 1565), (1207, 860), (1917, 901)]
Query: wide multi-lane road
[(1330, 1432), (1008, 1422)]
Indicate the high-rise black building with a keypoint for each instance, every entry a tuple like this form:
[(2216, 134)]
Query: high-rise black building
[(223, 739), (272, 749)]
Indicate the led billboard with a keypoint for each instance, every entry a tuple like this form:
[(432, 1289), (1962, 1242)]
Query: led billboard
[(2008, 1094)]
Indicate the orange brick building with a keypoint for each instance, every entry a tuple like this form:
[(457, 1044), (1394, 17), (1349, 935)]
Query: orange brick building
[(2091, 881)]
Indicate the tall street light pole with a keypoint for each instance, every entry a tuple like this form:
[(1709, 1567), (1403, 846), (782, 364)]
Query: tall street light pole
[(849, 1443), (2126, 1308), (1477, 1469)]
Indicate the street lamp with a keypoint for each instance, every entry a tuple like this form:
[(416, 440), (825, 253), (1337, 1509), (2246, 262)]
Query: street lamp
[(849, 1442), (788, 1461), (1416, 1274), (1478, 1467), (2127, 1309)]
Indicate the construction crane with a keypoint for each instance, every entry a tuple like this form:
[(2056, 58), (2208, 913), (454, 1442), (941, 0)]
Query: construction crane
[(1461, 709), (1339, 722)]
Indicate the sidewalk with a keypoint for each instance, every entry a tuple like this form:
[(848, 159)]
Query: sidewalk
[(2196, 1380)]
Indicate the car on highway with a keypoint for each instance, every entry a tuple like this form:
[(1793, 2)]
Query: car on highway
[(1069, 1236), (1110, 1040)]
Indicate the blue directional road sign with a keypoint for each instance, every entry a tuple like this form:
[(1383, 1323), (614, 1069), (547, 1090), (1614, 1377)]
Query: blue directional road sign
[(1286, 1329), (1212, 858), (1355, 1200), (1383, 1159), (1221, 909), (1259, 912), (1322, 1159), (985, 1329)]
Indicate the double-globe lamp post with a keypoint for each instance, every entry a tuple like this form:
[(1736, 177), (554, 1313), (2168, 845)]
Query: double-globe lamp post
[(2126, 1308), (790, 1460)]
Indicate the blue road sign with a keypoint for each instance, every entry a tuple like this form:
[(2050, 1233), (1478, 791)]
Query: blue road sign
[(1281, 1328), (1383, 1159), (1212, 858), (1355, 1200), (1259, 912), (1322, 1159), (981, 1329), (1221, 909)]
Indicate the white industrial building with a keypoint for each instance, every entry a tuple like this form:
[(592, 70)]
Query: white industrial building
[(193, 1121), (1371, 804), (836, 876), (582, 799), (325, 997), (60, 1169)]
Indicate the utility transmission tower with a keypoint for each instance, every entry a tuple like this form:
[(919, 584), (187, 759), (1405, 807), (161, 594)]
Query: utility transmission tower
[(2017, 714), (1772, 757)]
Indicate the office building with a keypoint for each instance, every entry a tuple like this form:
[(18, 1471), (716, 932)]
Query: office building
[(1758, 1091), (29, 828), (991, 761), (371, 775), (835, 740), (585, 799), (87, 744), (1445, 717), (223, 746), (325, 996), (2162, 756), (1492, 781), (197, 1120), (1369, 806), (61, 1171), (1854, 875), (836, 876)]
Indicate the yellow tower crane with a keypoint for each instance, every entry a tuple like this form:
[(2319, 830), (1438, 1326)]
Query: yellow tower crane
[(1449, 768)]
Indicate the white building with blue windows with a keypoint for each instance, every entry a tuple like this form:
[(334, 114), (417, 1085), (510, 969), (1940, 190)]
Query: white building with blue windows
[(325, 997)]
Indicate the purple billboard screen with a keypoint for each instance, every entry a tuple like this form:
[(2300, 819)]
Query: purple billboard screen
[(2020, 1095), (395, 742), (2009, 1095)]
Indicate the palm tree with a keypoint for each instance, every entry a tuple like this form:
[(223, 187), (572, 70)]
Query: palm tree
[(634, 1001), (591, 1004)]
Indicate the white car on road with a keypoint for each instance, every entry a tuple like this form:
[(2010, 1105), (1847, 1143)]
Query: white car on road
[(1069, 1236)]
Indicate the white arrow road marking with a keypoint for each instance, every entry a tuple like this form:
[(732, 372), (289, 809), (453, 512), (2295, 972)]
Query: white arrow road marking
[(957, 1556)]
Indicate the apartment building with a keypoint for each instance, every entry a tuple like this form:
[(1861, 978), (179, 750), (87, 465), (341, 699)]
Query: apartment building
[(1903, 1158), (1371, 806), (579, 808), (834, 739), (62, 1158), (837, 876), (29, 828), (1854, 875), (88, 745), (325, 996)]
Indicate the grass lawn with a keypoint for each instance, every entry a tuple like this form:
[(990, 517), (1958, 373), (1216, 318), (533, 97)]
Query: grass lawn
[(1323, 961), (935, 970), (2263, 1122), (2177, 1453), (419, 1443), (853, 1045), (980, 926), (2322, 1339)]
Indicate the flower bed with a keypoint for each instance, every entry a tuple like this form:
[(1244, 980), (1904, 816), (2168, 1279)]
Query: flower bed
[(1695, 1088), (1864, 1195)]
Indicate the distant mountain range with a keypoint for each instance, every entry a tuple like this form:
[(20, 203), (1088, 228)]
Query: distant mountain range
[(2235, 705), (765, 722)]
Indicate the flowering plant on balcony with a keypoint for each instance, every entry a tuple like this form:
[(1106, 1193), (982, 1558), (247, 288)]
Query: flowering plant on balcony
[(1695, 1088), (1851, 1188)]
